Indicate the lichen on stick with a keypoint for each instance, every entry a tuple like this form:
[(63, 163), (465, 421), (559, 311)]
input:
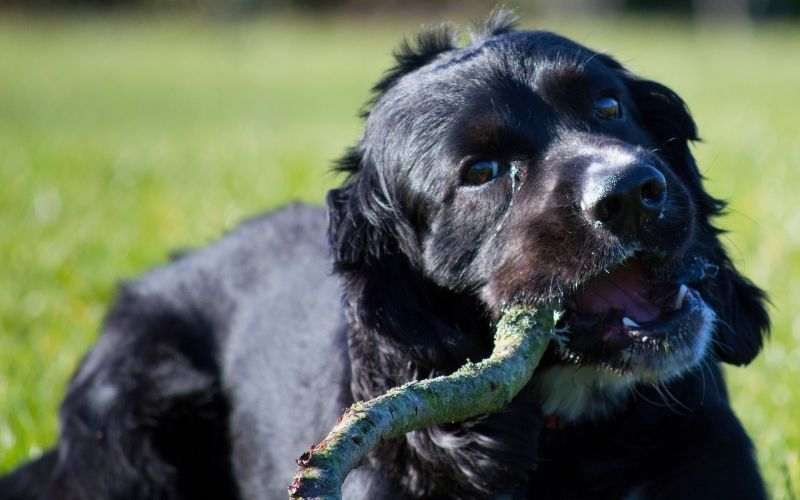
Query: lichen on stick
[(521, 337)]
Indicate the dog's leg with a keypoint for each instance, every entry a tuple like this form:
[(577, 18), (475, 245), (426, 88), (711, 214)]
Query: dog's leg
[(143, 416)]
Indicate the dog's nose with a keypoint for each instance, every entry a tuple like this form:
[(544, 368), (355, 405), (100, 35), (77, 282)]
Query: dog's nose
[(624, 201)]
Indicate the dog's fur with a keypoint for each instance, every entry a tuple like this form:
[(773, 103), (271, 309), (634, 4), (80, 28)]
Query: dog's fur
[(214, 372)]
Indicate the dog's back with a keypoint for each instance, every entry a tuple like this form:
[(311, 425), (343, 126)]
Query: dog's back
[(197, 351)]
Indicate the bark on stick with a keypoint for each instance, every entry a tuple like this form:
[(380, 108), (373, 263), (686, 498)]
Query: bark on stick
[(520, 340)]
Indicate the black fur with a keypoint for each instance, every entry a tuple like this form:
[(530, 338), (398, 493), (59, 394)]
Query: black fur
[(214, 372)]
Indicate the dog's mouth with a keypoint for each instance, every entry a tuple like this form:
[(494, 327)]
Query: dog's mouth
[(633, 320)]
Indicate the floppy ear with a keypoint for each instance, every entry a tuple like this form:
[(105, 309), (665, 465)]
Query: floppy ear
[(376, 250), (743, 321), (364, 222), (354, 229)]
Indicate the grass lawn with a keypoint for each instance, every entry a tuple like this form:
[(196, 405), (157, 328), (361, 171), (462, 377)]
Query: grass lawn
[(121, 139)]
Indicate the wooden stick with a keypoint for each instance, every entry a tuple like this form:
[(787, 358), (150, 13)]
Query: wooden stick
[(520, 339)]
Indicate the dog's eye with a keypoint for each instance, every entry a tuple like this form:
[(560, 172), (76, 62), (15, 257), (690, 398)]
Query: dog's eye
[(608, 108), (483, 171)]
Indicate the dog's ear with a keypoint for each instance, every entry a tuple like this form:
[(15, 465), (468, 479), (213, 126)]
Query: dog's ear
[(743, 319), (355, 231), (376, 249), (364, 223), (663, 113)]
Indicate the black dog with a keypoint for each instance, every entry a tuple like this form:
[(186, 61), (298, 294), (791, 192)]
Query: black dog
[(522, 168)]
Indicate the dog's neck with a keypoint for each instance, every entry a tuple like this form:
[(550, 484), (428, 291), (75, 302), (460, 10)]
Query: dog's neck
[(394, 337)]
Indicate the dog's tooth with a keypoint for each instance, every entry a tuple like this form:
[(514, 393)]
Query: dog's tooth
[(679, 298), (629, 322)]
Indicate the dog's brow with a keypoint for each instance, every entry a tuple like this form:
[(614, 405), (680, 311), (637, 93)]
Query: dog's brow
[(567, 77), (491, 131), (484, 129)]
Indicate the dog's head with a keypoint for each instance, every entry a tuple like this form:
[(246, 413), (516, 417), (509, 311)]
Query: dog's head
[(526, 168)]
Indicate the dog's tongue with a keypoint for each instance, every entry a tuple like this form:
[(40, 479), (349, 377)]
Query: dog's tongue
[(625, 289)]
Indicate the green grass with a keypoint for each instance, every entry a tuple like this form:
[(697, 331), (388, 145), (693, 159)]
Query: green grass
[(121, 139)]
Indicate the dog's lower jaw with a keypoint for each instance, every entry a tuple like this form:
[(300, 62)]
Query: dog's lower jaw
[(578, 392), (679, 354)]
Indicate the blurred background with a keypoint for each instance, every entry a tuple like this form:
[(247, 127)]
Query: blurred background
[(131, 128)]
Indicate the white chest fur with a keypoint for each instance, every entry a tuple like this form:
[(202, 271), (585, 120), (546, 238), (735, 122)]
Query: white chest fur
[(575, 393)]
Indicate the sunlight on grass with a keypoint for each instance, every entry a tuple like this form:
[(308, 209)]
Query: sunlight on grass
[(121, 140)]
